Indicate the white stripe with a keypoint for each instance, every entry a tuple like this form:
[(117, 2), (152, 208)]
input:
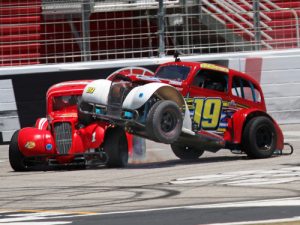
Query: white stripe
[(38, 223), (292, 133), (259, 203), (260, 221), (22, 218), (42, 122), (291, 140)]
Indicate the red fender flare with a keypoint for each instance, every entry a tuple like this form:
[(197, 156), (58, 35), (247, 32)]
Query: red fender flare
[(237, 123), (33, 142), (41, 124)]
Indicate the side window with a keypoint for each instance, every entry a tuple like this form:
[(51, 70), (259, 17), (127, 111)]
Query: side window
[(210, 79), (245, 89)]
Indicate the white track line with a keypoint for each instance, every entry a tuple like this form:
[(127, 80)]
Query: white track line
[(257, 203), (260, 221)]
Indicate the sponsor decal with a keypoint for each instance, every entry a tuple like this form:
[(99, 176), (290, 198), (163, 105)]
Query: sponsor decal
[(174, 82), (214, 67), (90, 90), (30, 145), (149, 78), (94, 137), (49, 147)]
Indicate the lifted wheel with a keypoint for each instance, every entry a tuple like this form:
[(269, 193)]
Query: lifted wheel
[(186, 152), (16, 158), (116, 147), (259, 138), (164, 122)]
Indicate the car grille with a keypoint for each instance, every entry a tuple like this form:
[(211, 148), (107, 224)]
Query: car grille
[(63, 137)]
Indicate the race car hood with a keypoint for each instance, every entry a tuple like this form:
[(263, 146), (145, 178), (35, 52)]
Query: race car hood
[(63, 115)]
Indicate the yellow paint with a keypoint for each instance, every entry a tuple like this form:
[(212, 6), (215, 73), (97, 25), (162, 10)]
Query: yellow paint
[(90, 90), (56, 211), (30, 145), (198, 110), (214, 67), (207, 112), (211, 113)]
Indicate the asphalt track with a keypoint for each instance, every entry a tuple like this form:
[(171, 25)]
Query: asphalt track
[(221, 188)]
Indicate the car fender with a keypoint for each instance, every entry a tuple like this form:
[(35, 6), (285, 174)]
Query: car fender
[(97, 92), (33, 141), (91, 136), (240, 119), (41, 124), (138, 96)]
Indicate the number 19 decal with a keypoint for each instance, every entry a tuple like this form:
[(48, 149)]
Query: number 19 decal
[(207, 112)]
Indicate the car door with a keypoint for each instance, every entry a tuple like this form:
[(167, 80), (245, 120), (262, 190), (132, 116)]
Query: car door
[(208, 100)]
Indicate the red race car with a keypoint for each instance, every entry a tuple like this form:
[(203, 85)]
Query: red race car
[(193, 106), (67, 137)]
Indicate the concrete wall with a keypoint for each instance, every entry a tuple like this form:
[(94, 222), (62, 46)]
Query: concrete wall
[(280, 81), (9, 120)]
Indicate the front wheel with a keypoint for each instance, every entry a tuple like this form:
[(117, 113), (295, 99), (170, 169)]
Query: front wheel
[(259, 138), (164, 122), (16, 158), (116, 147), (186, 152)]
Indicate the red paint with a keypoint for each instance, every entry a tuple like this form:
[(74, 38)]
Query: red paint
[(33, 141), (243, 108)]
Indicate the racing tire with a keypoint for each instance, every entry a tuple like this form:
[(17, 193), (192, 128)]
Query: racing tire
[(164, 122), (259, 138), (116, 147), (186, 152), (16, 158), (83, 118)]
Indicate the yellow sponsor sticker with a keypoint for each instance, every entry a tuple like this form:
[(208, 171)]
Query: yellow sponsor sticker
[(90, 90), (30, 144), (214, 67)]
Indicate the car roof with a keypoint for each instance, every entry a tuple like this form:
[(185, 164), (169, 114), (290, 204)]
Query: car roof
[(214, 67)]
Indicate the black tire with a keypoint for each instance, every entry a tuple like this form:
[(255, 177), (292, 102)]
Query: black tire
[(116, 147), (186, 152), (259, 138), (84, 119), (16, 158), (164, 122)]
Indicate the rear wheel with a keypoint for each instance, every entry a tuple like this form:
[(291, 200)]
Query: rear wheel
[(164, 122), (186, 152), (116, 147), (259, 138), (16, 158)]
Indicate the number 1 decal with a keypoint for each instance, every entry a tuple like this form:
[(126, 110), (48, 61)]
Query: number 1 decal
[(207, 112)]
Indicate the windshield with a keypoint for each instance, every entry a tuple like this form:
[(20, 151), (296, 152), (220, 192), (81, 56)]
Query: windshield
[(62, 102), (173, 72)]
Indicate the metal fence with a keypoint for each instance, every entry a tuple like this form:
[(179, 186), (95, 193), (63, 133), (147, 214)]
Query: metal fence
[(58, 31)]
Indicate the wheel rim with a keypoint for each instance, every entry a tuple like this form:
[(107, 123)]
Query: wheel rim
[(264, 138), (168, 121)]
